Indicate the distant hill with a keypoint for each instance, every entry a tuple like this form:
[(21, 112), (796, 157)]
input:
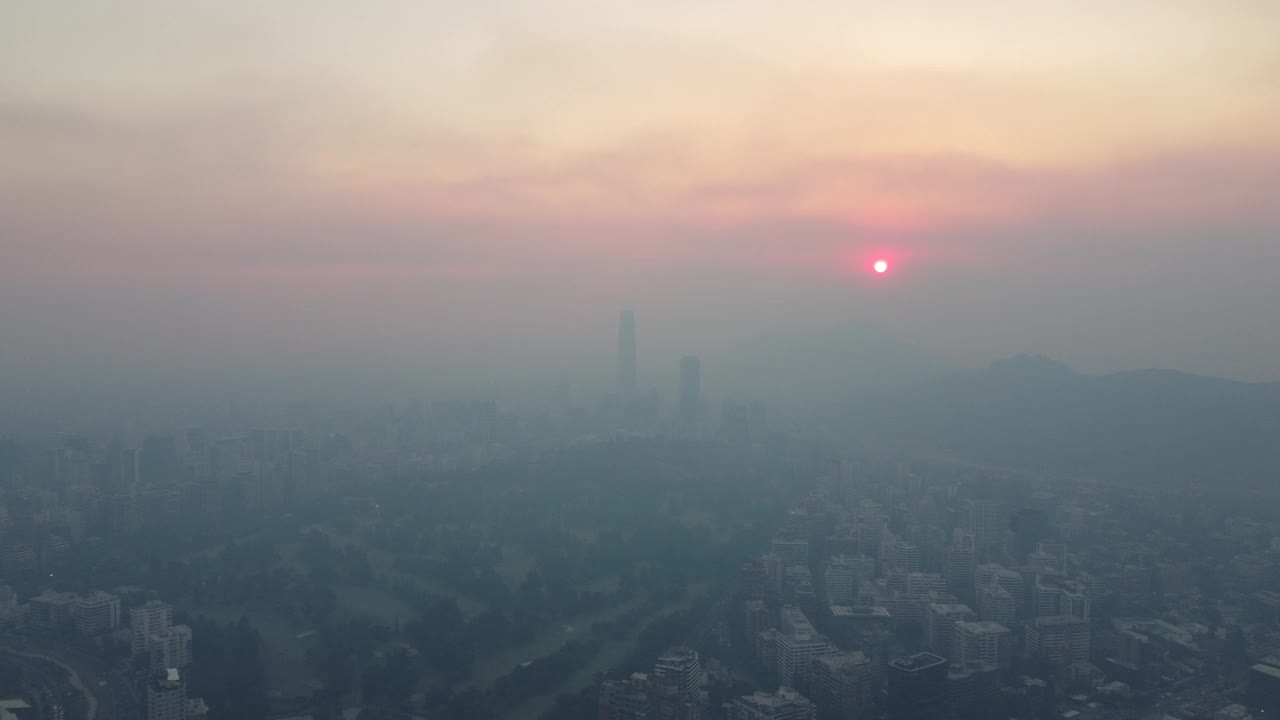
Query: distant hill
[(803, 365), (1032, 413)]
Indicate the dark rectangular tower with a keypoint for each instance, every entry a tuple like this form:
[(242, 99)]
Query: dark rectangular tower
[(917, 687)]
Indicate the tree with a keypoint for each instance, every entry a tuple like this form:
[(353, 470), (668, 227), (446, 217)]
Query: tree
[(227, 670), (439, 632), (390, 682)]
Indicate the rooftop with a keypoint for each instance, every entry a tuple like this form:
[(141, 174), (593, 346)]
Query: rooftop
[(983, 626), (950, 609), (784, 696), (858, 611), (57, 598), (1266, 670), (794, 619), (917, 662), (845, 661), (1056, 620), (679, 655)]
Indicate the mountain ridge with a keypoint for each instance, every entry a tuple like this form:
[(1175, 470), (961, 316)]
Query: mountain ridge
[(1032, 412)]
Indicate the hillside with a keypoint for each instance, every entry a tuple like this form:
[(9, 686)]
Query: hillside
[(1030, 412)]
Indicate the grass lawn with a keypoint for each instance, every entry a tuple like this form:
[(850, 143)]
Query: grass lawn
[(515, 565), (610, 654), (488, 669), (284, 653), (379, 606)]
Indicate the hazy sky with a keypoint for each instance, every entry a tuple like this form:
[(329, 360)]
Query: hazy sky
[(205, 184)]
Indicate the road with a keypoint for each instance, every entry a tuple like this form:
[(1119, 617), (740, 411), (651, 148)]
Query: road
[(73, 677), (107, 694), (44, 682)]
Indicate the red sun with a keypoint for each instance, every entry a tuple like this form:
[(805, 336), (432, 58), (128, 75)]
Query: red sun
[(881, 266)]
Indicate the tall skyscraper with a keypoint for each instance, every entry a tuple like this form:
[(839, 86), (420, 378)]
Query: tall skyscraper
[(624, 699), (690, 391), (646, 695), (842, 685), (96, 614), (960, 562), (798, 644), (680, 665), (986, 524), (841, 580), (147, 620), (792, 550), (1061, 639), (170, 648), (940, 623), (981, 642), (917, 687), (166, 695), (997, 605), (627, 354), (757, 617), (796, 653), (896, 553)]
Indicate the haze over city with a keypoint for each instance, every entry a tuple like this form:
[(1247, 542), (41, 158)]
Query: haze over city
[(639, 360), (242, 186)]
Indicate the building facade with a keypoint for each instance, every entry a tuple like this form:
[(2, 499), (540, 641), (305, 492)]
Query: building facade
[(147, 620), (842, 686), (166, 695), (916, 687), (96, 614), (941, 619), (681, 667), (1061, 640), (982, 642), (170, 648)]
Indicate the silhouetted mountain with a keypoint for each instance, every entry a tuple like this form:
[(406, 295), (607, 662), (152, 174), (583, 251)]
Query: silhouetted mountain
[(1033, 413), (805, 365)]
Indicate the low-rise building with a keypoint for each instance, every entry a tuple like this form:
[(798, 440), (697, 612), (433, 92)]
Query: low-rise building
[(785, 704)]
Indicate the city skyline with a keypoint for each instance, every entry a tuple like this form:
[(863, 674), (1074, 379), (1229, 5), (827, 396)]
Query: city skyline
[(450, 185), (637, 360)]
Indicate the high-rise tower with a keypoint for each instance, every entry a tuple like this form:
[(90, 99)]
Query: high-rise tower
[(985, 524), (166, 695), (147, 620), (627, 355)]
